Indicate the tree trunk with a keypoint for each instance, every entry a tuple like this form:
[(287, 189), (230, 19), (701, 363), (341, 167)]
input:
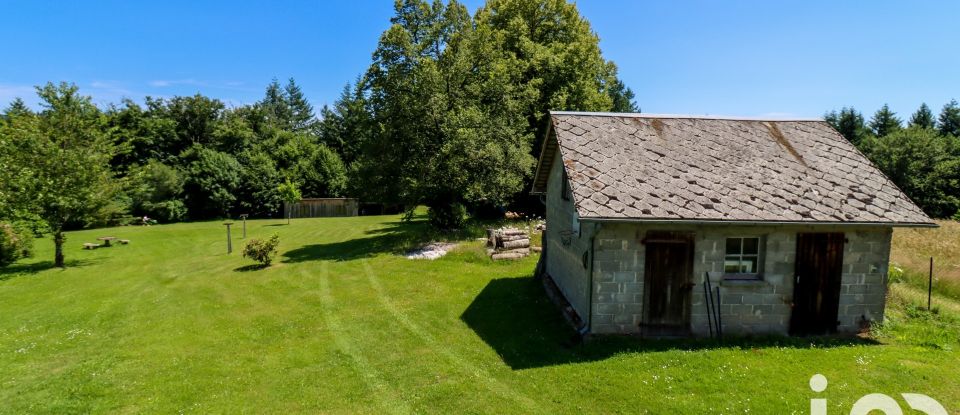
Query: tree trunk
[(58, 239)]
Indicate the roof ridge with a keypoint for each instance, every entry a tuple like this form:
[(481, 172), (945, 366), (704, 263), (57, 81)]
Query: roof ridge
[(684, 116)]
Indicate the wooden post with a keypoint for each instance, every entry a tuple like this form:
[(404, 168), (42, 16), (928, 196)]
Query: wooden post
[(229, 240), (930, 287), (244, 217)]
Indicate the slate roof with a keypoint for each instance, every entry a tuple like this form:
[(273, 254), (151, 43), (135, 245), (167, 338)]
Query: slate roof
[(664, 167)]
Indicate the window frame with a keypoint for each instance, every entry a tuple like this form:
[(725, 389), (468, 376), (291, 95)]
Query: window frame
[(760, 257)]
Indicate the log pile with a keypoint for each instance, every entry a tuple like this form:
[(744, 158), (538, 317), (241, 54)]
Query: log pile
[(508, 243)]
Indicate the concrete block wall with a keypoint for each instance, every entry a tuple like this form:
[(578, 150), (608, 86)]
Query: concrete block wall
[(863, 289), (618, 279), (747, 308), (564, 247)]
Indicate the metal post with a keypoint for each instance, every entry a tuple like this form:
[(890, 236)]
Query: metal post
[(719, 316), (229, 239), (930, 287)]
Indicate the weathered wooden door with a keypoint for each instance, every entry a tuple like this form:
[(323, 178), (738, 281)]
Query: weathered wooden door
[(816, 292), (667, 276)]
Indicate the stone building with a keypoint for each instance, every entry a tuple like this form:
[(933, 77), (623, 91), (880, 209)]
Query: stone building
[(785, 220)]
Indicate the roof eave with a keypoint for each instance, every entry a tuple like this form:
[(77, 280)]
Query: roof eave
[(541, 169), (759, 222)]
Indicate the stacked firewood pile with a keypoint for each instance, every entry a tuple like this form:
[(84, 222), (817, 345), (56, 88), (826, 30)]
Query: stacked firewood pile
[(508, 243)]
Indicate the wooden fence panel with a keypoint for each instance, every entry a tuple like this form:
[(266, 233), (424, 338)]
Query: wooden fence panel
[(323, 208)]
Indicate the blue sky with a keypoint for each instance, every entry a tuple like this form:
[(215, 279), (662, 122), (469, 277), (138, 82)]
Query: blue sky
[(748, 58)]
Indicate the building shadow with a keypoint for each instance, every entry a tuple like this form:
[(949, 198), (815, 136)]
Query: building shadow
[(396, 237), (515, 317)]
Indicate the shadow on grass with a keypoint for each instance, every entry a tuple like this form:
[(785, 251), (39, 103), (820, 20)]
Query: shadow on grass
[(515, 317), (16, 270), (251, 267), (394, 238)]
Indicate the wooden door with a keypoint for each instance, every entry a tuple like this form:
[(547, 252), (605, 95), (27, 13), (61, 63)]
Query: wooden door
[(816, 292), (667, 276)]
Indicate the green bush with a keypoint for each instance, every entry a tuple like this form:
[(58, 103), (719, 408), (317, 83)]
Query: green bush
[(447, 216), (16, 242), (262, 251)]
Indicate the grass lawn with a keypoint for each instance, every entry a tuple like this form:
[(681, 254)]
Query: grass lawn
[(341, 324)]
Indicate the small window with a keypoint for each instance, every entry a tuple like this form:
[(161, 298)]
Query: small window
[(565, 188), (742, 256)]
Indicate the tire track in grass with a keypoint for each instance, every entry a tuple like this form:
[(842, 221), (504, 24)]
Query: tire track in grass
[(387, 397), (472, 370)]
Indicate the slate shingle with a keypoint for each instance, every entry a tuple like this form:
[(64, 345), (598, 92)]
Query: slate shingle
[(635, 166)]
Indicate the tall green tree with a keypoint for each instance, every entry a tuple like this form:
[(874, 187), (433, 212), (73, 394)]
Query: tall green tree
[(558, 56), (64, 154), (257, 191), (321, 173), (16, 107), (621, 96), (949, 121), (287, 107), (448, 107), (195, 118), (302, 117), (922, 163), (923, 118), (274, 104), (18, 131), (213, 178), (884, 122), (849, 123), (346, 126)]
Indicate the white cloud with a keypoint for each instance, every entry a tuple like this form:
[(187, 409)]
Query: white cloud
[(163, 83), (9, 92), (230, 85)]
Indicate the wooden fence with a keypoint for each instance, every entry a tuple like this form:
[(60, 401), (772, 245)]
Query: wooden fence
[(322, 208)]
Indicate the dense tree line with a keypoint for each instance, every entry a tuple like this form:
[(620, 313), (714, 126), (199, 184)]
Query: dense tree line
[(190, 157), (72, 164), (450, 114), (921, 157)]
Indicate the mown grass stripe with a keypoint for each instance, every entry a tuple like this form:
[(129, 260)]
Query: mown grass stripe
[(387, 398), (490, 382)]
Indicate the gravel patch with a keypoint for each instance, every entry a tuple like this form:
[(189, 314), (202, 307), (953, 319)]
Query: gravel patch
[(430, 251)]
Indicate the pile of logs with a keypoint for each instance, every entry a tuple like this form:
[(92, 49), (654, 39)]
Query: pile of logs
[(508, 243)]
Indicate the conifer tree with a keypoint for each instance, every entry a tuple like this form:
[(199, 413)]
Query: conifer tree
[(949, 122), (884, 122), (298, 108), (923, 118), (17, 107), (849, 123)]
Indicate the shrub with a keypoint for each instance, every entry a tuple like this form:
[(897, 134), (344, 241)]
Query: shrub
[(262, 251), (16, 242), (447, 216)]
